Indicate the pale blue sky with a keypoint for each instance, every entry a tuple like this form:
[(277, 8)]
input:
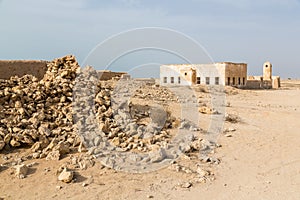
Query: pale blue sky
[(250, 31)]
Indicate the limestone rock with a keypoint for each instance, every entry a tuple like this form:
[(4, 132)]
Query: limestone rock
[(2, 145), (62, 148), (53, 155), (207, 110), (15, 143), (21, 171), (66, 176)]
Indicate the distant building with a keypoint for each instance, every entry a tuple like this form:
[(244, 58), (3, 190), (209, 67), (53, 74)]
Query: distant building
[(224, 73)]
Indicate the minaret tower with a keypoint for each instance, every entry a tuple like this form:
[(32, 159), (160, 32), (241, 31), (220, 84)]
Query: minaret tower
[(267, 71)]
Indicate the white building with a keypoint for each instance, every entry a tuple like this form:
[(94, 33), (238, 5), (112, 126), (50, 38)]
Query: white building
[(225, 73)]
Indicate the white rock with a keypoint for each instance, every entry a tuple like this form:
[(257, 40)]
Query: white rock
[(66, 176), (21, 171)]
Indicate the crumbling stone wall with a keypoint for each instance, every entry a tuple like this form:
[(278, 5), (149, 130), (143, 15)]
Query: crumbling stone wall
[(38, 113), (235, 73), (105, 75), (9, 68)]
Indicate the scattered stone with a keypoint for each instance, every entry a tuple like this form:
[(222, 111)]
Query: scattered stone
[(208, 159), (228, 135), (47, 169), (66, 176), (232, 118), (21, 171), (58, 187), (36, 155), (157, 156), (53, 155), (201, 172), (229, 130), (150, 196), (207, 110), (15, 143), (2, 145), (84, 184), (186, 185), (32, 164)]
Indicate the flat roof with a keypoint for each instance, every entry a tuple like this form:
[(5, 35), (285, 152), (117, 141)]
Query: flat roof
[(187, 64)]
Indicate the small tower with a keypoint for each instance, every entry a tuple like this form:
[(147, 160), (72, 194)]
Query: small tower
[(267, 71)]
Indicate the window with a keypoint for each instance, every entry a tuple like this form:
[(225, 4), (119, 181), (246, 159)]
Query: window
[(244, 81), (233, 81), (178, 79), (165, 79), (239, 81), (185, 73), (207, 80), (228, 81), (217, 80), (198, 81), (172, 79)]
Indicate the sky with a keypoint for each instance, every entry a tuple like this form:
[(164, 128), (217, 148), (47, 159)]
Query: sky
[(250, 31)]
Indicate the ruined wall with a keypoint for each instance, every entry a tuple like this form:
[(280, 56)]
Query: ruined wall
[(9, 68), (107, 75), (253, 84), (275, 82), (235, 73), (258, 84), (258, 78)]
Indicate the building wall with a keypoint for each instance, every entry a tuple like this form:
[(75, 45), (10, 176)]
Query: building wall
[(227, 73), (253, 84), (108, 75), (235, 73), (188, 74), (182, 74), (258, 78), (275, 82), (9, 68), (258, 84), (211, 71)]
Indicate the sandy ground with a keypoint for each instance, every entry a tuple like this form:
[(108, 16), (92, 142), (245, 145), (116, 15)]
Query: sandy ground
[(260, 161)]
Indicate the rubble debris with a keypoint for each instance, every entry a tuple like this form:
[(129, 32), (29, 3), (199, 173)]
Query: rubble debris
[(209, 159), (58, 187), (232, 118), (66, 176), (186, 185), (34, 112), (230, 129), (207, 110), (186, 124), (21, 171)]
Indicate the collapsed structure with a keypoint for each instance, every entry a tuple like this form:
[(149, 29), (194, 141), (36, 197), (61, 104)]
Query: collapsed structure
[(43, 114), (266, 81), (224, 73)]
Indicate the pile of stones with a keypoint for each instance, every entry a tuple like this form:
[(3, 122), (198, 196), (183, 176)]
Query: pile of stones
[(120, 121), (38, 113), (41, 114), (155, 93)]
